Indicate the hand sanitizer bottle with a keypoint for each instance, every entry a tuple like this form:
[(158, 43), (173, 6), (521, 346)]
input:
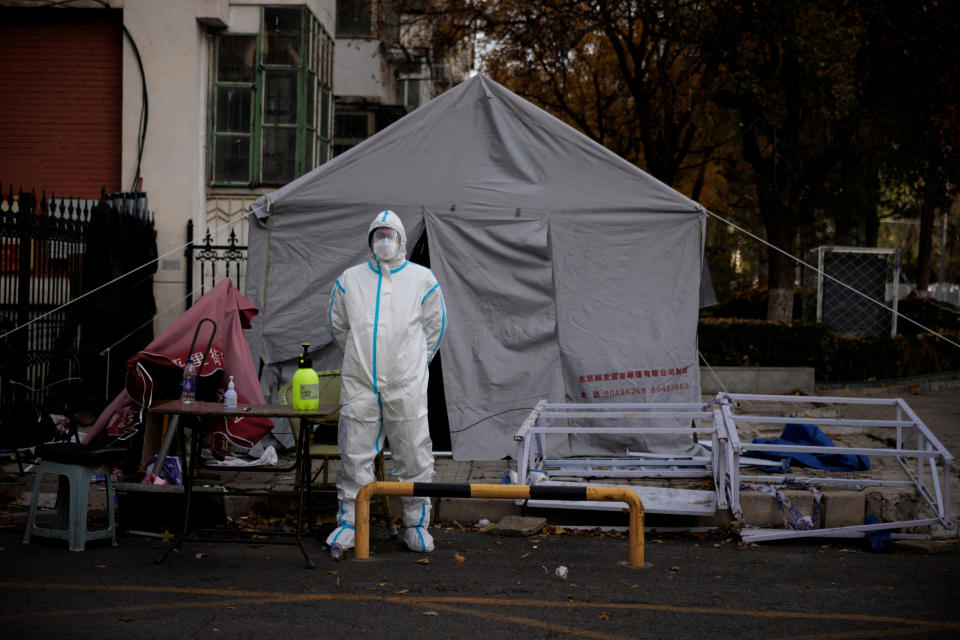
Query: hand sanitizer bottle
[(230, 397)]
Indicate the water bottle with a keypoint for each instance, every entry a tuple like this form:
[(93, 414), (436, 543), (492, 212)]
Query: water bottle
[(189, 383), (230, 397)]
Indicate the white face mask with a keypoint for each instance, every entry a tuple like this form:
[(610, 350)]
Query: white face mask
[(385, 249)]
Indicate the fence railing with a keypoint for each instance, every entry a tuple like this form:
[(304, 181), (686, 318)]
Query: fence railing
[(53, 250), (207, 262)]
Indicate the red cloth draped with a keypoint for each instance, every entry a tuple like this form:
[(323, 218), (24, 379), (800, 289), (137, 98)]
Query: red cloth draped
[(155, 372)]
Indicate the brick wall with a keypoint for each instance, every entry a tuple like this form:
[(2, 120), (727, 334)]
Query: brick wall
[(60, 100)]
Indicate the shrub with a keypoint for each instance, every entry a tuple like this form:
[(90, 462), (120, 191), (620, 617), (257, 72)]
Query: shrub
[(736, 342)]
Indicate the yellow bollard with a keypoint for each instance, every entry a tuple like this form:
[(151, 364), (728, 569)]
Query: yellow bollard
[(501, 491)]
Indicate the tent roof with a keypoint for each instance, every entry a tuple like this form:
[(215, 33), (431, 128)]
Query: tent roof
[(478, 145)]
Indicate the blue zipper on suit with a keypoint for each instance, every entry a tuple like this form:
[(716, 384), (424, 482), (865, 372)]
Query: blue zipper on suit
[(376, 323)]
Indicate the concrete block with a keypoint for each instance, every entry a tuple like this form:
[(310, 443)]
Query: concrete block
[(518, 526), (762, 510), (765, 380), (472, 510), (843, 508), (891, 504)]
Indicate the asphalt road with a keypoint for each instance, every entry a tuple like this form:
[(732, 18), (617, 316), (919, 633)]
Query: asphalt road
[(480, 586)]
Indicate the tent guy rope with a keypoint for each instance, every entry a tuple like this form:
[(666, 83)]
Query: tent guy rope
[(829, 277), (183, 246), (252, 210)]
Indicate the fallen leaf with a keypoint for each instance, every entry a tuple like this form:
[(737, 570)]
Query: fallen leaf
[(603, 615), (166, 537), (634, 586), (674, 568), (401, 591), (101, 566), (333, 573), (535, 540), (430, 613), (384, 584), (459, 558), (525, 555), (423, 561)]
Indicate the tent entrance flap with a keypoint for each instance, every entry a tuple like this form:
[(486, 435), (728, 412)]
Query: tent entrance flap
[(501, 350)]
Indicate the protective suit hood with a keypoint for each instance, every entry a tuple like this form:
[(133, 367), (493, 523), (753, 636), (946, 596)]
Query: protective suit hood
[(388, 219)]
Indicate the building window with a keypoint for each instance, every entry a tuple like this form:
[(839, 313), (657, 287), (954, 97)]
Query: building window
[(271, 100), (368, 19), (410, 92), (350, 129), (354, 18)]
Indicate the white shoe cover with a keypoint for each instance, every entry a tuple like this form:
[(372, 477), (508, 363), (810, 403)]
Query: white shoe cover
[(417, 539), (343, 535)]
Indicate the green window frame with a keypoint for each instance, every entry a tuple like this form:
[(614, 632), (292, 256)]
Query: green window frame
[(271, 104)]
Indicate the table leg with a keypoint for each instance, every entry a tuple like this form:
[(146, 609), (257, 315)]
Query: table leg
[(193, 462), (303, 451)]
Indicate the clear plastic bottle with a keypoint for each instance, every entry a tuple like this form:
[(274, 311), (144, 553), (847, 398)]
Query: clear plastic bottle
[(189, 383), (230, 397)]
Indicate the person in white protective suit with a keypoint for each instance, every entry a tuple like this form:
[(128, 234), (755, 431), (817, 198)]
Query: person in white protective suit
[(387, 317)]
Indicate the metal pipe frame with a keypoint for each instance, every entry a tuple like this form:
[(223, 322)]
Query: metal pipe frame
[(932, 459), (505, 491), (926, 463), (531, 443)]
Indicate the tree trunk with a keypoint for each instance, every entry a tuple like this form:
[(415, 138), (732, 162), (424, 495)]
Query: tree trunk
[(780, 290), (781, 222), (928, 209)]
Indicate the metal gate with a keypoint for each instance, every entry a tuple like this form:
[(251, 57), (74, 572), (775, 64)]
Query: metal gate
[(207, 263), (45, 265)]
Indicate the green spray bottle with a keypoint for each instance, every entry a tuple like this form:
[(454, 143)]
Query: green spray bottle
[(306, 384)]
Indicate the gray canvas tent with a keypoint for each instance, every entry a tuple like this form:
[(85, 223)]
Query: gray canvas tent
[(568, 273)]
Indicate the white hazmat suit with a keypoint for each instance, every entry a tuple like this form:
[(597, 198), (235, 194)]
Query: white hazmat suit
[(387, 317)]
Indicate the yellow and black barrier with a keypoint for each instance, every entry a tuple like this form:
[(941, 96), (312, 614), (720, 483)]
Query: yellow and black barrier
[(505, 491)]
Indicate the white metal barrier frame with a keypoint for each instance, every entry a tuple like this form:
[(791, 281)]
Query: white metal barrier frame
[(927, 461), (532, 455)]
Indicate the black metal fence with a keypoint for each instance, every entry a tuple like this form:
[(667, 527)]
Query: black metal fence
[(214, 261), (52, 252)]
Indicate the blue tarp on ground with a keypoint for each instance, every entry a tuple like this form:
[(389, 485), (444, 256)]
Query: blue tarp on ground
[(808, 435)]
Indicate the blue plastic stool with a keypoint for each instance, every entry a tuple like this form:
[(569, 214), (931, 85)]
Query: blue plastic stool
[(76, 465)]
